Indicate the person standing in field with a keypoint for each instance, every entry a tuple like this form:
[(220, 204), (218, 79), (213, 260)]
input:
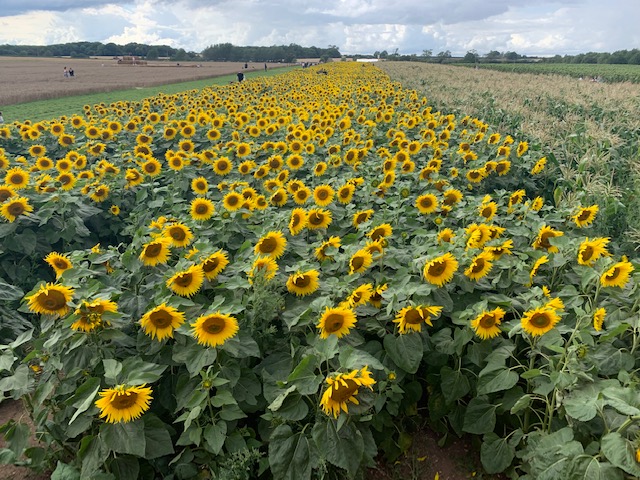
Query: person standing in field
[(265, 67), (66, 72), (1, 118), (240, 76)]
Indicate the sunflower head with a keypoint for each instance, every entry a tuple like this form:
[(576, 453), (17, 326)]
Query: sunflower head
[(51, 299), (539, 321), (59, 262), (160, 322), (487, 324), (343, 389), (124, 404), (214, 329), (336, 321), (440, 270)]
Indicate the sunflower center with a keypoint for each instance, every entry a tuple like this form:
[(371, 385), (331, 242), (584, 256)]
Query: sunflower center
[(201, 209), (544, 239), (123, 401), (210, 265), (302, 281), (16, 179), (149, 168), (478, 265), (376, 234), (437, 268), (61, 264), (214, 325), (540, 320), (426, 203), (613, 274), (413, 317), (161, 319), (184, 279), (177, 233), (584, 215), (361, 218), (233, 200), (357, 262), (16, 209), (316, 219), (487, 321), (587, 253), (268, 245), (153, 251), (296, 220), (487, 212), (323, 194), (4, 195), (334, 322), (52, 300), (341, 393)]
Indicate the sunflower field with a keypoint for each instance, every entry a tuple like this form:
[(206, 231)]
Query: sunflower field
[(275, 278)]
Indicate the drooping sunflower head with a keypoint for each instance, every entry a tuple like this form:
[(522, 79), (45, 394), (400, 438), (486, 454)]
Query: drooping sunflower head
[(303, 283), (214, 264), (59, 262), (487, 324), (585, 216), (336, 321), (160, 322), (598, 318), (187, 283), (50, 299), (273, 244), (343, 389), (214, 329), (360, 261), (440, 270), (617, 275), (544, 235), (90, 314), (124, 404), (411, 318)]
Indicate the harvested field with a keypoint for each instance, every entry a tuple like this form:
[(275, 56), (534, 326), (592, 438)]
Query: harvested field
[(25, 79)]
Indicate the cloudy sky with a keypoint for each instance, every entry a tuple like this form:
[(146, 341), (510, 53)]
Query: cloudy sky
[(536, 27)]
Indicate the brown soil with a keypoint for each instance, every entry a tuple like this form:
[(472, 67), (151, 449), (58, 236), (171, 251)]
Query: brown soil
[(24, 79)]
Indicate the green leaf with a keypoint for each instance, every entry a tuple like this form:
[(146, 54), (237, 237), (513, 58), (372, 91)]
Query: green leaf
[(289, 454), (194, 357), (496, 381), (138, 372), (480, 416), (586, 467), (125, 468), (279, 400), (405, 350), (84, 396), (343, 448), (124, 437), (241, 346), (92, 453), (582, 404), (454, 384), (65, 472), (304, 376), (352, 359), (112, 369), (214, 436), (157, 438), (523, 402), (496, 453), (620, 453), (624, 400)]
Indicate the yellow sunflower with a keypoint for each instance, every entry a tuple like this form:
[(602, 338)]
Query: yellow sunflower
[(318, 218), (214, 264), (412, 317), (440, 270), (16, 178), (156, 252), (59, 262), (544, 235), (534, 270), (266, 267), (539, 321), (214, 329), (187, 282), (336, 321), (427, 203), (586, 216), (360, 296), (617, 275), (343, 388), (345, 193), (360, 261), (100, 193), (539, 166), (323, 195), (90, 314), (376, 296), (303, 283), (446, 235), (6, 193), (14, 207), (381, 231), (486, 325), (591, 250), (298, 221), (233, 201), (488, 210), (321, 251), (179, 234), (273, 245), (361, 217), (598, 318), (124, 404), (202, 209), (151, 167), (279, 197), (496, 251), (160, 322), (222, 166), (480, 266), (51, 299)]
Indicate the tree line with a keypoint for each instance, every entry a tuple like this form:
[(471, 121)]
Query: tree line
[(219, 52)]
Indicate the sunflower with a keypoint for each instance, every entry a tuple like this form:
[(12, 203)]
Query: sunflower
[(279, 197), (214, 264), (6, 193), (336, 321), (343, 388), (321, 251), (440, 270), (90, 314), (303, 283), (585, 216), (156, 252), (318, 218), (486, 325), (51, 299), (375, 247), (202, 209), (480, 266), (360, 261), (124, 404), (542, 240), (360, 296), (319, 169), (537, 204), (446, 235), (232, 201), (265, 267), (539, 321), (376, 295), (522, 148), (222, 166), (298, 221), (161, 321), (427, 203), (345, 193), (617, 275), (381, 231), (488, 210), (14, 207), (598, 318), (591, 250), (179, 234), (200, 185), (243, 149), (133, 177), (59, 262), (323, 195), (272, 244), (187, 282), (301, 195), (100, 193), (412, 317), (539, 166), (16, 178), (534, 270), (496, 251), (214, 329)]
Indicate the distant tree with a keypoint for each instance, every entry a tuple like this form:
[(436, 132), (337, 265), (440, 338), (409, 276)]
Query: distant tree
[(493, 55), (427, 53), (443, 56), (384, 54), (471, 57), (153, 53)]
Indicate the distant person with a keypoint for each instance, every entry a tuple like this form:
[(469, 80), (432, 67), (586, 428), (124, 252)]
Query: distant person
[(71, 72), (240, 76), (65, 72), (1, 118), (246, 65), (265, 67)]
